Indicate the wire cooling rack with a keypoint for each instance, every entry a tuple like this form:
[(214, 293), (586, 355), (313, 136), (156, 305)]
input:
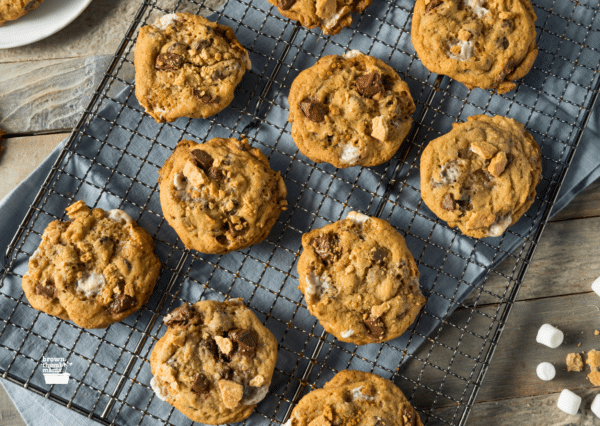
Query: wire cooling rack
[(112, 158)]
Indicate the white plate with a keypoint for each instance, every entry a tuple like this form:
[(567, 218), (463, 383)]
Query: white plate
[(50, 17)]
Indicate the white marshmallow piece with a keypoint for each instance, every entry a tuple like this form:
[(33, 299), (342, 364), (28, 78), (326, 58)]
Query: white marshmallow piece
[(119, 215), (357, 217), (596, 406), (550, 336), (568, 402), (352, 54), (596, 286), (545, 371)]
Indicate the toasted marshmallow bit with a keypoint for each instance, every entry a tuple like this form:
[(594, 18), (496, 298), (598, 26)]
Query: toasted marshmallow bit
[(163, 22), (596, 286), (91, 284), (325, 8), (317, 285), (357, 395), (347, 333), (477, 7), (119, 216), (596, 406), (545, 371), (288, 423), (461, 51), (550, 336), (256, 395), (568, 402), (350, 153), (180, 181), (352, 54), (357, 217), (497, 228), (160, 390), (333, 20)]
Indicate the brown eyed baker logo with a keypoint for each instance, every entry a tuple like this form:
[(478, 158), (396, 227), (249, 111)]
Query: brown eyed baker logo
[(53, 370)]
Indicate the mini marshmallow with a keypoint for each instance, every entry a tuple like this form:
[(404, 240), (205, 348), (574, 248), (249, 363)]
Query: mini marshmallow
[(568, 402), (550, 336), (357, 217), (596, 286), (596, 406), (545, 371)]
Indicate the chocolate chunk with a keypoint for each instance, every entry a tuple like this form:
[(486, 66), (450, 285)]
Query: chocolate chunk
[(375, 327), (247, 340), (448, 202), (464, 203), (216, 174), (178, 48), (222, 239), (207, 98), (211, 347), (380, 256), (409, 416), (314, 110), (32, 5), (200, 385), (168, 62), (121, 303), (217, 75), (180, 315), (432, 5), (507, 24), (200, 45), (326, 247), (285, 4), (501, 43), (203, 159), (48, 291), (369, 85)]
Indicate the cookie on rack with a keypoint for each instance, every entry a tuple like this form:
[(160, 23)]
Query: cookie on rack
[(355, 398), (350, 110), (187, 66), (14, 9), (360, 280), (481, 176), (95, 269), (221, 195), (329, 15), (215, 362), (486, 44)]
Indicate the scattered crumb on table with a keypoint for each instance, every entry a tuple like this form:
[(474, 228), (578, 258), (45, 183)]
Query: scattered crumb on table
[(574, 362)]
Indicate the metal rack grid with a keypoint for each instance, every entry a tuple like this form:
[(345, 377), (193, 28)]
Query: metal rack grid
[(112, 158)]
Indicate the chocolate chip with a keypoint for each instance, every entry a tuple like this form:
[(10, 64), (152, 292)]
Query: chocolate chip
[(121, 303), (210, 346), (203, 159), (222, 239), (369, 85), (409, 416), (200, 385), (32, 5), (48, 291), (207, 98), (380, 255), (180, 315), (326, 247), (216, 174), (168, 62), (285, 4), (217, 75), (375, 327), (247, 340), (448, 202), (314, 110), (501, 43), (432, 5), (507, 24), (200, 45)]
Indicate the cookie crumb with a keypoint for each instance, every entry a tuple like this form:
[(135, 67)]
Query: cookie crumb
[(574, 362), (231, 392), (594, 377), (596, 332)]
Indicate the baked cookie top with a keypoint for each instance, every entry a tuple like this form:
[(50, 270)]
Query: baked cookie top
[(355, 398), (329, 15), (481, 176), (95, 269), (360, 280), (215, 362), (350, 110), (221, 195), (481, 43), (13, 9), (187, 66)]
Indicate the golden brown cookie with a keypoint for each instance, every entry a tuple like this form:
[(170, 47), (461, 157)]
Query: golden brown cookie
[(329, 15), (215, 362), (481, 176), (96, 269), (354, 398), (350, 110), (360, 280), (481, 43), (14, 9), (187, 66), (221, 195)]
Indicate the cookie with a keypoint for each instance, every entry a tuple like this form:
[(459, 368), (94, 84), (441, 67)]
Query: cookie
[(481, 176), (221, 195), (187, 66), (485, 44), (360, 280), (355, 398), (215, 362), (329, 15), (14, 9), (95, 269), (350, 110)]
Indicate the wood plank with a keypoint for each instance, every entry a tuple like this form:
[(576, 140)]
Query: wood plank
[(585, 204), (46, 95)]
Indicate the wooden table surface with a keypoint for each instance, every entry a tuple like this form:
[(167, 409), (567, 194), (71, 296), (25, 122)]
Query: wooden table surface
[(45, 86)]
